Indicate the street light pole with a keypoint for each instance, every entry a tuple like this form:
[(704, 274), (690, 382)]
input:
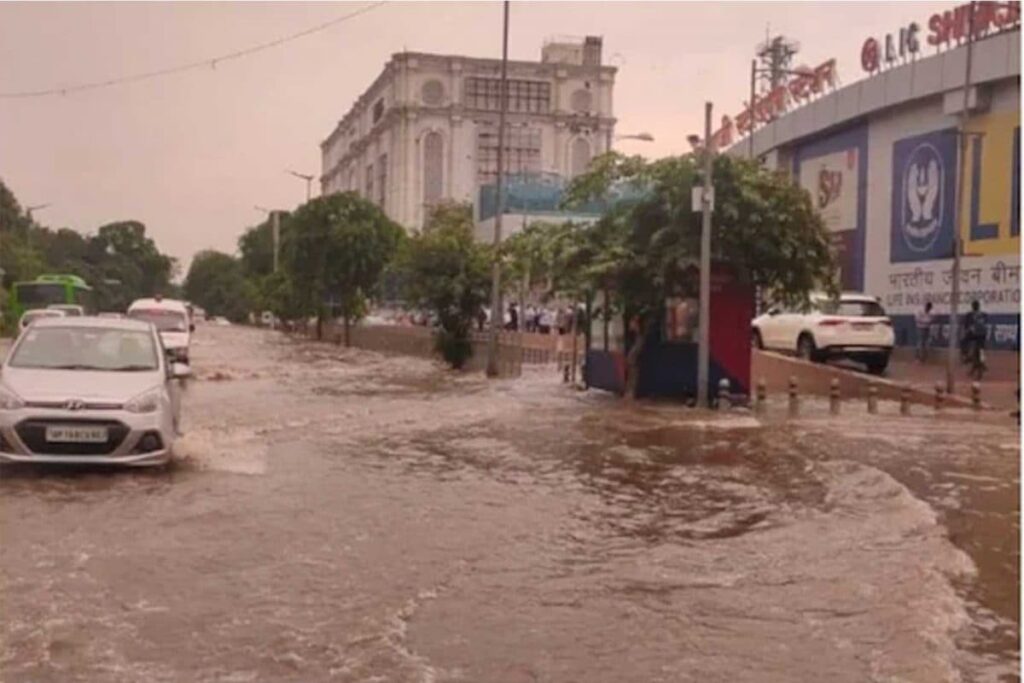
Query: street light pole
[(703, 350), (275, 231), (37, 207), (958, 215), (309, 181), (28, 214), (496, 312)]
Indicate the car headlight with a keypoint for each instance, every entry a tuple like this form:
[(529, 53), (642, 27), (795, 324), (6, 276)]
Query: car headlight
[(146, 402), (10, 400)]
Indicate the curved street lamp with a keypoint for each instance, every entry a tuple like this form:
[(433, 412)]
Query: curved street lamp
[(303, 176), (643, 137), (37, 207)]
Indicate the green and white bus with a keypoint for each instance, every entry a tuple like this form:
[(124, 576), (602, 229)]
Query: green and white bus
[(46, 290)]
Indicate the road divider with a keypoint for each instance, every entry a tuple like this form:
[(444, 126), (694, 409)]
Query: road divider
[(784, 373)]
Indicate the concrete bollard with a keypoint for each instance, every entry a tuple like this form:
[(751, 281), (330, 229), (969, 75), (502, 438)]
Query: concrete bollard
[(794, 398), (723, 390), (905, 401), (833, 397), (976, 396), (939, 396), (872, 400), (762, 393)]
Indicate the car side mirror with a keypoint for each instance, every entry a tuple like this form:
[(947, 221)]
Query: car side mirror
[(180, 371)]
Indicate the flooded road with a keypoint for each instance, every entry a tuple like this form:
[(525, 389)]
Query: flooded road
[(346, 516)]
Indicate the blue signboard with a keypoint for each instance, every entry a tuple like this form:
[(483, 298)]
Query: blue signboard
[(923, 197)]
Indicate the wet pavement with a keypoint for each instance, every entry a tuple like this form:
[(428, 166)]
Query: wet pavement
[(339, 515)]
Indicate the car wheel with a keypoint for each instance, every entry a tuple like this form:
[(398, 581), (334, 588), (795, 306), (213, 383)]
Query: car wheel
[(756, 341), (877, 365), (806, 349)]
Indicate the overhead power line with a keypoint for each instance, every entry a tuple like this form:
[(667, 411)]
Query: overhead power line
[(210, 62)]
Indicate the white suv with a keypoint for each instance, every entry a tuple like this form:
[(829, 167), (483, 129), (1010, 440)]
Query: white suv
[(855, 326)]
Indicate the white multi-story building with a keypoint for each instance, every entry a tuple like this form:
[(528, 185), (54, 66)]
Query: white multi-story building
[(426, 129)]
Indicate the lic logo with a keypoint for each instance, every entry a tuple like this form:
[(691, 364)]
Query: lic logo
[(923, 182)]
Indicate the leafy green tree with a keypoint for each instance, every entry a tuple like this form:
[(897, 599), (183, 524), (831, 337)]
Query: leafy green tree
[(134, 260), (642, 250), (12, 220), (216, 282), (445, 270), (18, 259), (337, 248), (119, 262)]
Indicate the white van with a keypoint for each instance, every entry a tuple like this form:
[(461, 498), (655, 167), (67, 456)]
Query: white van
[(172, 321)]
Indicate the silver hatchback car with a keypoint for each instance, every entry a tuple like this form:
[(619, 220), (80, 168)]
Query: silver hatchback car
[(89, 390)]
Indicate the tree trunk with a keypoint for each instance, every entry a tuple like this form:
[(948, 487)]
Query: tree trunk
[(633, 361), (575, 334), (319, 326), (588, 334), (348, 332), (606, 314)]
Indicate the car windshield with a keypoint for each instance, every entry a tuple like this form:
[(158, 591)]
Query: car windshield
[(854, 309), (85, 348), (165, 320)]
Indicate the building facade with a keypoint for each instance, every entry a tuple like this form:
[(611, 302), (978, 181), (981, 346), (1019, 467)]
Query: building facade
[(426, 129), (880, 159)]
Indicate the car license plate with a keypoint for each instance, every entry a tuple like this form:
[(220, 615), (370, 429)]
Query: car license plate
[(864, 326), (76, 434)]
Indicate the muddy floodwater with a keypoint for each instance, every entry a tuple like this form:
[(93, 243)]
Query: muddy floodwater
[(340, 515)]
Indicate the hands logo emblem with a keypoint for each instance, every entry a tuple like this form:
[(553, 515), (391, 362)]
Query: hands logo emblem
[(923, 180)]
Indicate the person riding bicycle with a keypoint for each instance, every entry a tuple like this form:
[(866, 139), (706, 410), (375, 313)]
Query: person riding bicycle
[(975, 332)]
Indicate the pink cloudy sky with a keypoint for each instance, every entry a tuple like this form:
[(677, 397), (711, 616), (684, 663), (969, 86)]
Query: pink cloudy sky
[(191, 153)]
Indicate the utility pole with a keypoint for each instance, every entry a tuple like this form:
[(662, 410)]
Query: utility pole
[(704, 336), (496, 313), (753, 94), (958, 214)]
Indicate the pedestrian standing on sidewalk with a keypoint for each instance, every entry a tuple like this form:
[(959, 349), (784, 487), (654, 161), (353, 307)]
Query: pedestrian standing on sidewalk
[(546, 320), (530, 318), (923, 318), (513, 318)]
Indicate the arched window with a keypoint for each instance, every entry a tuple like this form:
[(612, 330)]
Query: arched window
[(579, 156), (433, 167)]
